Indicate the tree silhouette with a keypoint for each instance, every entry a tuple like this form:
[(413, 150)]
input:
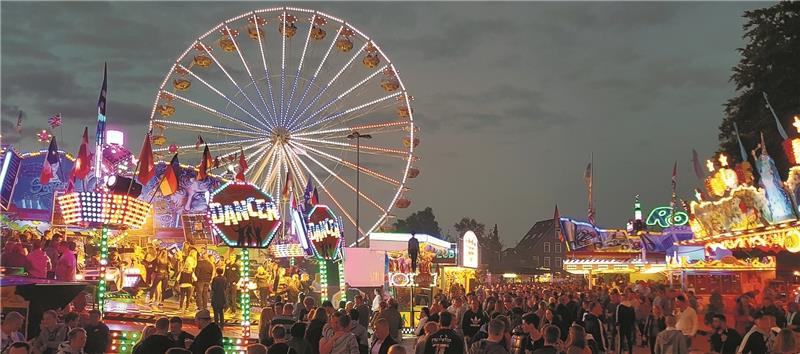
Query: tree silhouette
[(421, 222)]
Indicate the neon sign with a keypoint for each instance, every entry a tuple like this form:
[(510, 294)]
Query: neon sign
[(243, 215), (661, 216), (470, 248), (324, 233)]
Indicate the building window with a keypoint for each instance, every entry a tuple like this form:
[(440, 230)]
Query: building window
[(535, 261), (558, 263), (547, 262), (547, 247), (558, 247)]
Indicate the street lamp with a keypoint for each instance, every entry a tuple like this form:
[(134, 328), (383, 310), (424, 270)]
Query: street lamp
[(358, 136)]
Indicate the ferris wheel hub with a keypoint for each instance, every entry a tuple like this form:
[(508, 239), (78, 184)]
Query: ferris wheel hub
[(280, 136)]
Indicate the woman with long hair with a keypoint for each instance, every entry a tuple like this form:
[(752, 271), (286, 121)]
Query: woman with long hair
[(267, 314), (576, 341), (424, 313), (147, 331), (315, 327), (160, 277)]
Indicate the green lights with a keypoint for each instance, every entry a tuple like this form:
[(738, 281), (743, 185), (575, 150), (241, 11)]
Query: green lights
[(244, 297), (101, 286)]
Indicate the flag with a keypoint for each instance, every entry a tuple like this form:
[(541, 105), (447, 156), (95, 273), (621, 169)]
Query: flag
[(242, 168), (205, 162), (286, 188), (83, 162), (199, 142), (54, 121), (775, 116), (100, 133), (50, 164), (19, 122), (169, 183), (307, 195), (739, 139), (587, 177), (216, 162), (70, 183), (557, 224), (147, 168), (314, 197), (674, 176), (698, 169)]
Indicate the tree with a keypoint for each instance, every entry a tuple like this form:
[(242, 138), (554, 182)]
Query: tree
[(422, 222), (770, 62), (489, 244), (469, 224)]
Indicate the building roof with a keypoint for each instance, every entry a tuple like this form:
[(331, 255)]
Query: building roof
[(542, 230)]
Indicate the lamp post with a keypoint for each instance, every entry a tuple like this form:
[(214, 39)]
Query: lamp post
[(358, 136)]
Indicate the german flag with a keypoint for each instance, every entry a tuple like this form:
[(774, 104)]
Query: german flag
[(205, 162), (169, 183)]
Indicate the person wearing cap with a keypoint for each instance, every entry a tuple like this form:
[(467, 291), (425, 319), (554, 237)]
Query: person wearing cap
[(210, 333), (755, 341)]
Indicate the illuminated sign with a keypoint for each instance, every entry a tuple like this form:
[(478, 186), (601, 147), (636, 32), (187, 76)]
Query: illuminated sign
[(408, 279), (661, 216), (470, 250), (788, 239), (106, 209), (243, 215), (9, 168), (324, 232), (447, 256)]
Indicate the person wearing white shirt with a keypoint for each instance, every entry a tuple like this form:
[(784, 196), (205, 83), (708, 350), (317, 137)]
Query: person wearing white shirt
[(686, 319)]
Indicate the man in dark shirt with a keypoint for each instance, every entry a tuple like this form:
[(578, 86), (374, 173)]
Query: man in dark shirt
[(158, 342), (594, 325), (219, 287), (204, 273), (210, 333), (723, 340), (535, 339), (551, 336), (176, 332), (97, 334), (413, 251), (364, 312), (755, 341), (232, 276), (445, 340), (626, 324), (279, 346), (473, 319), (285, 319)]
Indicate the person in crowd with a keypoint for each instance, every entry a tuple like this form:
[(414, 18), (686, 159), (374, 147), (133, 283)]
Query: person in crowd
[(232, 275), (397, 349), (157, 342), (341, 341), (9, 330), (424, 313), (577, 341), (303, 314), (160, 268), (756, 340), (565, 313), (176, 332), (493, 344), (38, 262), (265, 324), (626, 324), (18, 348), (52, 248), (216, 349), (785, 343), (67, 266), (473, 319), (656, 322), (256, 348), (71, 320), (147, 331), (430, 328), (393, 317), (687, 319), (204, 272), (793, 317), (218, 297), (671, 340), (279, 345), (533, 337), (315, 329), (445, 340), (723, 340), (358, 330), (14, 256), (210, 333), (76, 340), (98, 336), (551, 335), (364, 312), (263, 285), (186, 278), (381, 340), (51, 334), (376, 300), (285, 319), (595, 327), (297, 342)]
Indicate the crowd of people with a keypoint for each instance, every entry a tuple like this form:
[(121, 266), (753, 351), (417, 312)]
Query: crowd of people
[(67, 334), (47, 255)]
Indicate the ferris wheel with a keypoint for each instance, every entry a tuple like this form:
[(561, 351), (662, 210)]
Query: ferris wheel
[(304, 96)]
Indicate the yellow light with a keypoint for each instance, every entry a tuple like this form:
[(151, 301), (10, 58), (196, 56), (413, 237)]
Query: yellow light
[(710, 165), (509, 275), (723, 160), (796, 123)]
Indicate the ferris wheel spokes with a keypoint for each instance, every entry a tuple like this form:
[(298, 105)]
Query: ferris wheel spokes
[(215, 146), (250, 74), (266, 70), (350, 110), (300, 65), (313, 79), (283, 66), (360, 128), (209, 128), (353, 166), (212, 111)]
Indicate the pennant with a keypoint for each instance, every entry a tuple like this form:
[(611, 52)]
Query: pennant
[(100, 133), (242, 168), (54, 121), (205, 163), (199, 142), (147, 168), (307, 195), (775, 116), (315, 197), (169, 183), (587, 177), (216, 162), (557, 224), (698, 169), (50, 163), (286, 188), (19, 122)]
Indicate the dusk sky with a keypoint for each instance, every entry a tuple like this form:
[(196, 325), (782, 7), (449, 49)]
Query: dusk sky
[(511, 98)]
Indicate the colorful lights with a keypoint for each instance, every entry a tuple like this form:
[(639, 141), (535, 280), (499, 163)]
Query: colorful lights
[(243, 215), (245, 286), (324, 233), (101, 287), (95, 209), (726, 263), (323, 279), (408, 279), (665, 217)]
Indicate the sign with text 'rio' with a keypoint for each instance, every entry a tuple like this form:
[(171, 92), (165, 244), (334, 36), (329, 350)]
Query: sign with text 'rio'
[(324, 232), (665, 217), (243, 215)]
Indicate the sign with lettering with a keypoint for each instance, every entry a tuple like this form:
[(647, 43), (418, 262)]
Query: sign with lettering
[(243, 215), (324, 232), (470, 250), (664, 217)]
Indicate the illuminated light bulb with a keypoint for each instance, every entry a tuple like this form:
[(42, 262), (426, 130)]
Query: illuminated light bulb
[(723, 160), (710, 165)]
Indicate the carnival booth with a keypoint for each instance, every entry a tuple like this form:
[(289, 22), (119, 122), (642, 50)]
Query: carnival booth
[(458, 267)]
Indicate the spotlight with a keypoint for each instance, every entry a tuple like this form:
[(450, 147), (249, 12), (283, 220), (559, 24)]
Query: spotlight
[(124, 185)]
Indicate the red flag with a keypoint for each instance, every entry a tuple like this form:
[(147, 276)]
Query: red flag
[(49, 160), (315, 197), (147, 168), (205, 162), (285, 192), (242, 168), (557, 223), (216, 162), (71, 183), (199, 142), (83, 163), (169, 184)]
